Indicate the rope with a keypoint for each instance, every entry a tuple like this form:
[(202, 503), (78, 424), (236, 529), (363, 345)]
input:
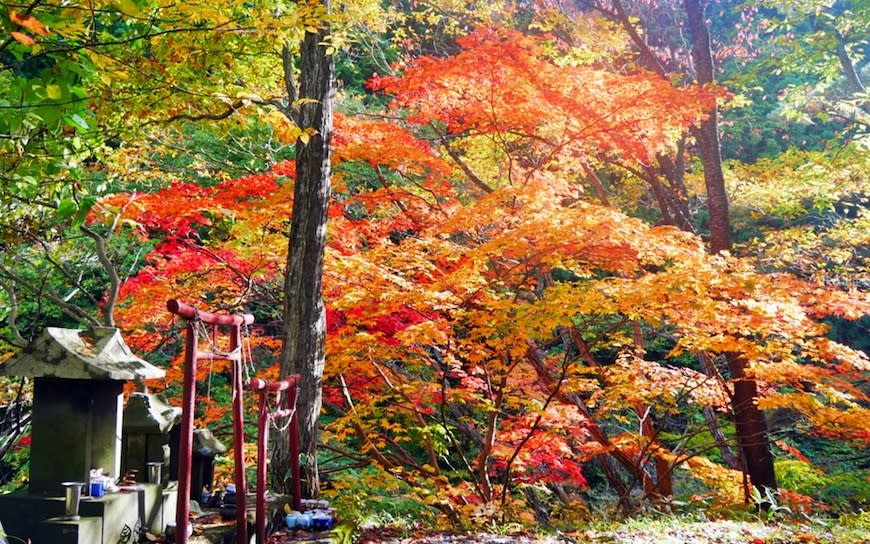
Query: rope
[(247, 353), (245, 357), (208, 386), (272, 410)]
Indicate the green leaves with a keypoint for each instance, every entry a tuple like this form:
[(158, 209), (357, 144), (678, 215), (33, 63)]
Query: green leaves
[(65, 209)]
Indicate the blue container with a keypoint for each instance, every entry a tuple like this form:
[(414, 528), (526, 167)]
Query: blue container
[(298, 520), (97, 489), (321, 521)]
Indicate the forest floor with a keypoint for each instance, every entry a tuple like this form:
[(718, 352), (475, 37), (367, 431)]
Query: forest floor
[(658, 531)]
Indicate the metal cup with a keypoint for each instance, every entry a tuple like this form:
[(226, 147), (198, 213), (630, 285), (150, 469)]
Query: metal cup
[(154, 469), (72, 498)]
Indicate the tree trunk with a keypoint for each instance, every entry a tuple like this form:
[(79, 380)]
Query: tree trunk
[(304, 328), (751, 428), (848, 68), (707, 133)]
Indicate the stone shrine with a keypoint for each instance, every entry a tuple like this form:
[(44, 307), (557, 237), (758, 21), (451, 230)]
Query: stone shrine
[(79, 377)]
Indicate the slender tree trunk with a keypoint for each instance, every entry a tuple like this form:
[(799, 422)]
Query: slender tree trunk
[(846, 64), (707, 133), (304, 328), (751, 428)]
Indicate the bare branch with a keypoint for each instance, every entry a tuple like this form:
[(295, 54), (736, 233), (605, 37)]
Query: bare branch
[(17, 339), (231, 109), (114, 280), (72, 310), (479, 183)]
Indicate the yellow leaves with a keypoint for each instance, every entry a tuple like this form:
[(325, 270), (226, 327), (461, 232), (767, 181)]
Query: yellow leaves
[(53, 91), (287, 131), (828, 411), (129, 7), (727, 484), (654, 383)]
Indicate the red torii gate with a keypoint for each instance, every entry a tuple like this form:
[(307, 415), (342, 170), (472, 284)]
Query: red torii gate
[(191, 356)]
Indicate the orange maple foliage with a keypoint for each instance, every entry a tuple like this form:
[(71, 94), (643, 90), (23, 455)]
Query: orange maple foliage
[(494, 337), (503, 85)]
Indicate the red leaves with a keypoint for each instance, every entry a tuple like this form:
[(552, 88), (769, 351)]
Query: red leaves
[(398, 321)]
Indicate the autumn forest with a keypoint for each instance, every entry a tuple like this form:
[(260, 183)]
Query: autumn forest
[(540, 264)]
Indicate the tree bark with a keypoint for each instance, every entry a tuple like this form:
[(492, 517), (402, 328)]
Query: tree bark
[(707, 133), (751, 428), (846, 64), (304, 327)]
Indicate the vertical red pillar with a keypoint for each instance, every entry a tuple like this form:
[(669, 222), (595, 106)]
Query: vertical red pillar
[(239, 438), (262, 440), (185, 453), (294, 446)]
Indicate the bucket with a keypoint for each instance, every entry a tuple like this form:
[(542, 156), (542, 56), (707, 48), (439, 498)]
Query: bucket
[(72, 498), (154, 470)]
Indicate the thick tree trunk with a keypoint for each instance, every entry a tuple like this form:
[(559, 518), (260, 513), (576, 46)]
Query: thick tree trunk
[(751, 428), (304, 328)]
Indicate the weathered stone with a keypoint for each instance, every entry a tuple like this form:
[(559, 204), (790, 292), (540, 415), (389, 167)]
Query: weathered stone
[(92, 354), (86, 530), (76, 426), (149, 435), (205, 443), (78, 380), (147, 413)]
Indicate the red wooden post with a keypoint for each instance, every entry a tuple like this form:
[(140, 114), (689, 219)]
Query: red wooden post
[(239, 440), (185, 447), (263, 388), (189, 312), (185, 454), (294, 447), (262, 440)]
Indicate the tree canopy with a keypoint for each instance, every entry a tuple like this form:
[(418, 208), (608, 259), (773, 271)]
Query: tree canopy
[(529, 311)]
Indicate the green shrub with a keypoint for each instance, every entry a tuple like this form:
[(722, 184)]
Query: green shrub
[(844, 491)]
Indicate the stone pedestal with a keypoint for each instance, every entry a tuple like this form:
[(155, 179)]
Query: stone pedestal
[(160, 506), (86, 530), (22, 512), (120, 516)]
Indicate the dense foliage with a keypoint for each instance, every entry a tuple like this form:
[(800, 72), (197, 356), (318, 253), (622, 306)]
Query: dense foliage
[(523, 320)]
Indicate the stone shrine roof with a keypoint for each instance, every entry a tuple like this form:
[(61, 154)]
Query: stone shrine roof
[(148, 413), (98, 353), (205, 443)]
